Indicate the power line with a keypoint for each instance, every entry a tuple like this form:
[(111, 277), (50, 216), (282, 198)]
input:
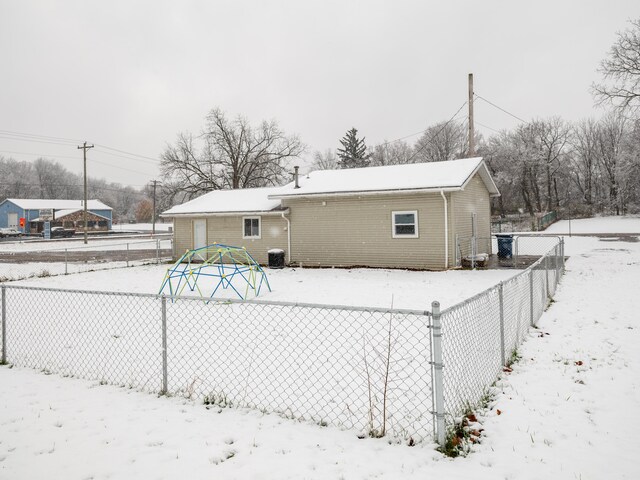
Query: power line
[(141, 159), (30, 140), (487, 126), (500, 108), (38, 185), (32, 137), (22, 134), (127, 153), (401, 138), (57, 157), (437, 133), (39, 154), (120, 168)]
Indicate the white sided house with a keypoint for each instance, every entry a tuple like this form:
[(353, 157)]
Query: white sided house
[(399, 216)]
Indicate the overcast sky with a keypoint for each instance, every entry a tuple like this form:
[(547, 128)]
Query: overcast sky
[(132, 74)]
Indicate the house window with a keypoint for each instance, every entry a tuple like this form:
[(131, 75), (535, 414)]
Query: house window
[(404, 224), (251, 227)]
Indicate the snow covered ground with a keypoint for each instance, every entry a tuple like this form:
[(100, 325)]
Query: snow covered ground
[(40, 258), (568, 409), (354, 287), (141, 227), (624, 224), (95, 244)]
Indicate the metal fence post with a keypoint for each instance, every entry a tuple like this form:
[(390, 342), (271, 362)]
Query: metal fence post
[(127, 254), (3, 359), (438, 381), (501, 297), (555, 266), (546, 274), (531, 296), (562, 252), (163, 301), (66, 262), (157, 251)]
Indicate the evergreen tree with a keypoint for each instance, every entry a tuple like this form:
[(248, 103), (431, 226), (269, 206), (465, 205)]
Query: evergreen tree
[(353, 153)]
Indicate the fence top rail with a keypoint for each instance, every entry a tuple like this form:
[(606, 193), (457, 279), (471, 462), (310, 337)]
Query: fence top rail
[(218, 300), (516, 235)]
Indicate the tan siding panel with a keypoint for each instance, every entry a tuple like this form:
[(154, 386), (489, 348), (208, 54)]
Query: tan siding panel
[(228, 231), (182, 235), (473, 199), (348, 231)]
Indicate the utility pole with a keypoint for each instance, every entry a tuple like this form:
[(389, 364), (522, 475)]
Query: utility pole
[(153, 219), (84, 148), (472, 140)]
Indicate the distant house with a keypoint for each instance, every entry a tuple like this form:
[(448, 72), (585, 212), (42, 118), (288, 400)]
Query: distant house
[(64, 213), (400, 216)]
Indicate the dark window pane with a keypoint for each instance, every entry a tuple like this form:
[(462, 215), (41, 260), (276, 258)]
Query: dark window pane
[(405, 229), (251, 227)]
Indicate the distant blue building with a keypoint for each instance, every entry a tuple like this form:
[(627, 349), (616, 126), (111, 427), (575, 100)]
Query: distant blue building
[(65, 213)]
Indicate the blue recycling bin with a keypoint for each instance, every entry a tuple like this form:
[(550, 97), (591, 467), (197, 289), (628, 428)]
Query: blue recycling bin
[(505, 246)]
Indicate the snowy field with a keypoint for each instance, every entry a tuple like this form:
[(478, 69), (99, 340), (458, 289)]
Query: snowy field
[(623, 224), (141, 227), (379, 288), (42, 259), (569, 403), (95, 244)]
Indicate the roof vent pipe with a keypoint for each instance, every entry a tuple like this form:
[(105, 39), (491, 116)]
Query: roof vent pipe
[(295, 176)]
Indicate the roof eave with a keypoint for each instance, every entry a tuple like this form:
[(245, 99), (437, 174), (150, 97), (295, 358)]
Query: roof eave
[(486, 177), (224, 214)]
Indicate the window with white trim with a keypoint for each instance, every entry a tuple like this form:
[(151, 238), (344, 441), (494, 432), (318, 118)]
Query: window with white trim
[(404, 224), (251, 227)]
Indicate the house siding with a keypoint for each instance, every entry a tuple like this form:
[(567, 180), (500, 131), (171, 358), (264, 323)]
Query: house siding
[(228, 230), (347, 231), (473, 199), (7, 207), (357, 231)]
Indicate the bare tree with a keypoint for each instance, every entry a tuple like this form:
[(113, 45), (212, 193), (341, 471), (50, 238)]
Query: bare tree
[(554, 135), (326, 160), (440, 142), (621, 71), (584, 161), (392, 153), (609, 147), (234, 154), (189, 171), (144, 211)]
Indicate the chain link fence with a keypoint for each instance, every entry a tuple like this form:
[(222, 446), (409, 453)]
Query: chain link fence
[(481, 334), (402, 373), (365, 369), (503, 250), (18, 261)]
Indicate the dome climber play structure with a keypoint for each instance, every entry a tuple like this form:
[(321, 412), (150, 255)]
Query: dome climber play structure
[(218, 265)]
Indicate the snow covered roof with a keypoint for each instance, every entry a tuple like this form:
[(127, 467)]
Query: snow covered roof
[(449, 176), (246, 200), (42, 204), (64, 213)]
